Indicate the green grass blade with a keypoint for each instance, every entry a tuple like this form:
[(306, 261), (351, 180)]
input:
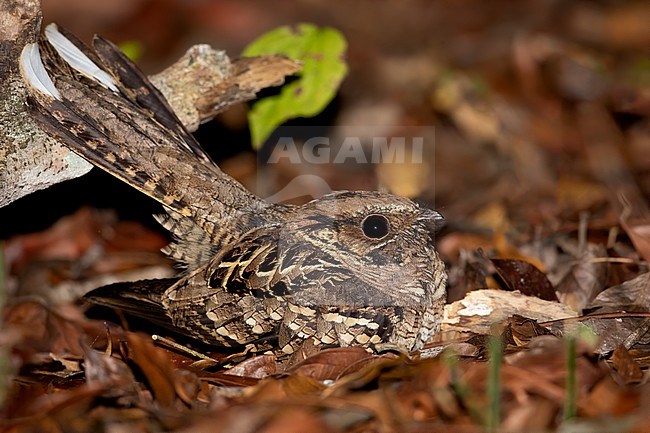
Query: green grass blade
[(495, 354)]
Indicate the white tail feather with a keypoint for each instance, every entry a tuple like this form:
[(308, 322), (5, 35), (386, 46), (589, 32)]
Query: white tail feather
[(77, 59), (34, 73)]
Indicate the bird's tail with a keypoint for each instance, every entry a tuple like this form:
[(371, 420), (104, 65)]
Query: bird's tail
[(100, 105), (142, 299)]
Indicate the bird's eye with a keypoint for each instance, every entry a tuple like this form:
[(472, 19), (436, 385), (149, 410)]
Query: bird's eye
[(375, 226)]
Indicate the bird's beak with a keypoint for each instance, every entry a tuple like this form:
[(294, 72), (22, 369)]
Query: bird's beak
[(434, 220)]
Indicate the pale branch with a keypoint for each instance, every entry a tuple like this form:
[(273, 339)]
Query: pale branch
[(29, 159), (205, 82)]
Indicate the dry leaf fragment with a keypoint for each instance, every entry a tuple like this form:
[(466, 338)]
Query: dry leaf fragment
[(482, 308)]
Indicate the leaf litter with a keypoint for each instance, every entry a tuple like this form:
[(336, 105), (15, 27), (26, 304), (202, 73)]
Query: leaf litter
[(543, 178)]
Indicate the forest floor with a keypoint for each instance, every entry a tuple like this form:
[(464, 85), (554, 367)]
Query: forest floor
[(541, 167)]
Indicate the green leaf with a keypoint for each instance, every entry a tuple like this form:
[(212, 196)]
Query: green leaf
[(132, 49), (321, 51)]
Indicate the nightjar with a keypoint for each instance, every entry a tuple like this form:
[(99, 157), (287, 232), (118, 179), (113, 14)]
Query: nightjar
[(350, 268)]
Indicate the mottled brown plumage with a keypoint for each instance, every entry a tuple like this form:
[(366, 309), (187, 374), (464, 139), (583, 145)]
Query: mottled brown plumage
[(350, 268)]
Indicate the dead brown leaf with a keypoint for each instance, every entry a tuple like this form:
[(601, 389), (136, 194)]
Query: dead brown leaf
[(58, 330), (627, 369), (155, 365), (333, 363), (225, 379), (533, 413), (50, 409), (186, 385), (110, 373), (290, 386), (258, 367), (609, 399), (635, 292), (295, 420), (521, 330), (524, 277), (585, 279), (640, 236), (623, 328)]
